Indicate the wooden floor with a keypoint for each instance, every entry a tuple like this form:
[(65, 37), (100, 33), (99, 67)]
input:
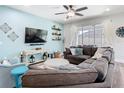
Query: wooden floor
[(118, 78)]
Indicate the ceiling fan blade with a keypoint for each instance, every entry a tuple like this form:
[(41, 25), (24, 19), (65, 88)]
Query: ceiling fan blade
[(70, 6), (66, 7), (80, 9), (78, 14), (60, 13)]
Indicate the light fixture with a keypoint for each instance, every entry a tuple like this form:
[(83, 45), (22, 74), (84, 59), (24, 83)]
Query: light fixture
[(107, 9), (71, 13)]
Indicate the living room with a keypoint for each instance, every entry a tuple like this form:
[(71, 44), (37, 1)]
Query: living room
[(37, 42)]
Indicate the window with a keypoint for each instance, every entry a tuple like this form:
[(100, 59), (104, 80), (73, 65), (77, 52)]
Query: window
[(91, 35), (99, 35)]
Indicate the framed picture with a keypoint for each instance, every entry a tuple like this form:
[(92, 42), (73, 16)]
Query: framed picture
[(5, 28), (13, 36)]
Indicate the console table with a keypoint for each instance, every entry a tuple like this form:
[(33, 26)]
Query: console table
[(33, 52)]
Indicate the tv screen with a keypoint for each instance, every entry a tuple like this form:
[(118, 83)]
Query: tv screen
[(33, 35)]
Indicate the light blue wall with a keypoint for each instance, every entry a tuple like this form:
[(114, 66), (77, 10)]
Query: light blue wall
[(18, 21)]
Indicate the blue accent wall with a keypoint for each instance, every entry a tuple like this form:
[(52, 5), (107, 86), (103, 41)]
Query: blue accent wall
[(18, 20)]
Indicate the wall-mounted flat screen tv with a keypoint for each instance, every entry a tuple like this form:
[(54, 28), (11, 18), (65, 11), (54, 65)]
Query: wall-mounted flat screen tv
[(33, 35)]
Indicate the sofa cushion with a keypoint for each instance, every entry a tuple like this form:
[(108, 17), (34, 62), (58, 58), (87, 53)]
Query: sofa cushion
[(94, 49), (52, 78), (101, 65), (42, 66), (86, 64), (68, 51), (89, 61), (99, 53), (78, 57), (73, 51), (79, 51), (84, 56), (87, 50)]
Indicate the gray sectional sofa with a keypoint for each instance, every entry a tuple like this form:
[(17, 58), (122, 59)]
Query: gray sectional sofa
[(94, 73)]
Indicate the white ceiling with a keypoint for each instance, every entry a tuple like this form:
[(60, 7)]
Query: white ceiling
[(47, 11)]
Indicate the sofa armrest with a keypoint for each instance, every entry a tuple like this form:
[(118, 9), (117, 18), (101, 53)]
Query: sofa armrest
[(66, 54), (109, 77)]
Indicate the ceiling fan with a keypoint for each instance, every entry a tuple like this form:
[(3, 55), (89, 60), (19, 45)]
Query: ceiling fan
[(71, 11)]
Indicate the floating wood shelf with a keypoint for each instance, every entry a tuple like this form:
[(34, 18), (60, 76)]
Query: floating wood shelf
[(58, 29), (56, 39), (56, 34)]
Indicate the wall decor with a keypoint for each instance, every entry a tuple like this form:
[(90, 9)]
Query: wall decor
[(5, 28), (120, 32), (13, 36)]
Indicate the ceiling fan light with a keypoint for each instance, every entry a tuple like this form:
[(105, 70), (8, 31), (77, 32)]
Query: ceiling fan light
[(71, 13)]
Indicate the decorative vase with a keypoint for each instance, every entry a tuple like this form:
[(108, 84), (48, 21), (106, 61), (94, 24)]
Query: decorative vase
[(32, 59)]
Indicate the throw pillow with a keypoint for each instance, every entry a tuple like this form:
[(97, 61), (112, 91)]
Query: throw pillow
[(79, 51), (99, 53), (68, 50), (73, 51), (76, 51)]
